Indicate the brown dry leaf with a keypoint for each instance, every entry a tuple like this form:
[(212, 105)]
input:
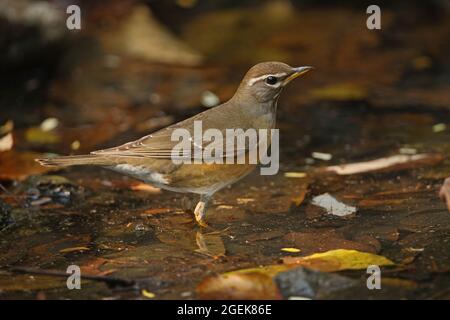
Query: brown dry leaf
[(257, 283), (397, 162), (140, 35), (337, 260), (6, 142), (246, 284), (15, 165), (145, 187)]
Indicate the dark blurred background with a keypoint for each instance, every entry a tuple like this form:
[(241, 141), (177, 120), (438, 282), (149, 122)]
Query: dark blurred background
[(136, 60)]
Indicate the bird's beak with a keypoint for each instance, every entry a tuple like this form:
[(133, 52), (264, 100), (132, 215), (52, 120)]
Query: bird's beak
[(297, 72)]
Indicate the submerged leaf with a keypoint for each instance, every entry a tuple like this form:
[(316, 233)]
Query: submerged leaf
[(16, 165), (341, 259)]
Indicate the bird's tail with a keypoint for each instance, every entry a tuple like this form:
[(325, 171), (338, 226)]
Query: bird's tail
[(89, 159)]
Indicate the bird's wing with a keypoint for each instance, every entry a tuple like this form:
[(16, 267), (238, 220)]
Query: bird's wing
[(160, 145)]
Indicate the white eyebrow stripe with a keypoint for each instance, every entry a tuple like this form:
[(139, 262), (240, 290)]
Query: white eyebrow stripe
[(252, 81)]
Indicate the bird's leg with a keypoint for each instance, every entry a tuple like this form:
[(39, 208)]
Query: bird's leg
[(200, 210)]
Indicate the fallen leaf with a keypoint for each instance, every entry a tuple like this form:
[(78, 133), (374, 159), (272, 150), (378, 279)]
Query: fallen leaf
[(337, 260), (292, 250), (38, 136), (49, 124), (322, 156), (140, 35), (148, 294), (333, 206), (258, 283), (397, 162), (145, 187), (439, 127), (6, 142), (246, 284), (17, 165)]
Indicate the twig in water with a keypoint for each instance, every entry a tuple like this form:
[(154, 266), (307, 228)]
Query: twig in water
[(111, 281)]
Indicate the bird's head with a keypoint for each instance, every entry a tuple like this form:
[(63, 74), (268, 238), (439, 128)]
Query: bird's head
[(264, 81)]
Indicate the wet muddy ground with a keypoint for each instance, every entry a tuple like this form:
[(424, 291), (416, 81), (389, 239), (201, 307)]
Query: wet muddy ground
[(139, 242)]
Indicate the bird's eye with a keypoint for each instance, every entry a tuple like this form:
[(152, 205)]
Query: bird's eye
[(271, 80)]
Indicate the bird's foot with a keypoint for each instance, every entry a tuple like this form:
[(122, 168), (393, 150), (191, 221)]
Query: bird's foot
[(199, 214)]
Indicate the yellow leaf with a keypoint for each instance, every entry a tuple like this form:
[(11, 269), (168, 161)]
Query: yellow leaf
[(340, 259), (293, 250), (148, 294)]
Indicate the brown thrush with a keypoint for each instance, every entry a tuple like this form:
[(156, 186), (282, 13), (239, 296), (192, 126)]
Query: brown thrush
[(148, 159)]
